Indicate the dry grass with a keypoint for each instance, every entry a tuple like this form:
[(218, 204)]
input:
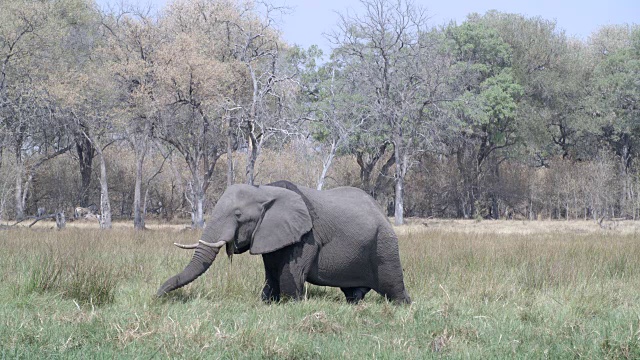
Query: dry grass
[(415, 226), (490, 289), (151, 224), (520, 227)]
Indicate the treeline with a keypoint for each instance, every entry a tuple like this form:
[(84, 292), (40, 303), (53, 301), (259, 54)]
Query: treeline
[(143, 114)]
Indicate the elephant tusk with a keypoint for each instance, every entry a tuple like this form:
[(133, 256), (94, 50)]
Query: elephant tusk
[(192, 246), (217, 245)]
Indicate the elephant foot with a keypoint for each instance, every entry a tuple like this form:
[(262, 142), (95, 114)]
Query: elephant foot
[(406, 298), (398, 299), (270, 293), (355, 294), (268, 299)]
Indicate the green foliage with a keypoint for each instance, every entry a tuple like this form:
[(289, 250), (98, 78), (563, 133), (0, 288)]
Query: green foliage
[(488, 92), (616, 82), (331, 98), (319, 131), (500, 94), (479, 44)]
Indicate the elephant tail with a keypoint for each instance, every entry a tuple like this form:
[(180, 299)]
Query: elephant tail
[(200, 262)]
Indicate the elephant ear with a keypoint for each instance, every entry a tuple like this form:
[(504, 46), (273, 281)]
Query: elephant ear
[(285, 219)]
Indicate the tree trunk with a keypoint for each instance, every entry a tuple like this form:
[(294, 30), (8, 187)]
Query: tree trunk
[(229, 154), (326, 164), (401, 168), (493, 194), (252, 156), (19, 191), (466, 196), (86, 152), (625, 158), (253, 141), (399, 202), (198, 185), (138, 215), (105, 204), (366, 167), (61, 222), (198, 212), (4, 188), (383, 181)]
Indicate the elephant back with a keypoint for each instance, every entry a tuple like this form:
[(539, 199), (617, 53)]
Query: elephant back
[(293, 187)]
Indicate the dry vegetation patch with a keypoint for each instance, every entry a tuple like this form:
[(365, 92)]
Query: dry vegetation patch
[(519, 227)]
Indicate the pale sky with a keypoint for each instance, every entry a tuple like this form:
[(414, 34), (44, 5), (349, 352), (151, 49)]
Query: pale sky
[(579, 18)]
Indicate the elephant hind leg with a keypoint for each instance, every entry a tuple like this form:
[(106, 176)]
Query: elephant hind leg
[(391, 283), (354, 294), (389, 276), (398, 296)]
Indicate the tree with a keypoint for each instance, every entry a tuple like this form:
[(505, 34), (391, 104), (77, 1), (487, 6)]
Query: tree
[(384, 47), (554, 72), (615, 101), (87, 94), (486, 110), (333, 106), (20, 43), (91, 104), (132, 40), (32, 35), (195, 83), (257, 45)]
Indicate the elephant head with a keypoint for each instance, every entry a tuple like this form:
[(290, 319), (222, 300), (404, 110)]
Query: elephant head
[(259, 219)]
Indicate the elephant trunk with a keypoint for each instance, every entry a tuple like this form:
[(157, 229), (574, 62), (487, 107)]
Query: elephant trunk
[(200, 262)]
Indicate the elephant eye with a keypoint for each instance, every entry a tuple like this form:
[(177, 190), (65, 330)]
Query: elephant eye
[(238, 213)]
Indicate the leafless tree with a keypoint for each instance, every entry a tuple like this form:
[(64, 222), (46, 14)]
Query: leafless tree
[(385, 46)]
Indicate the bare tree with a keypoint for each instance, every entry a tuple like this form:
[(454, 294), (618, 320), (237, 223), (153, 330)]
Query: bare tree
[(132, 39), (31, 38), (335, 108), (196, 79), (257, 46), (384, 46)]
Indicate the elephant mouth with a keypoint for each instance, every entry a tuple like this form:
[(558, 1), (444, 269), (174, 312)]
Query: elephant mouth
[(239, 249)]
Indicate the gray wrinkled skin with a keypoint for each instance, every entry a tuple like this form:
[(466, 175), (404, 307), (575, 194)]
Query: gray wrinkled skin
[(336, 237)]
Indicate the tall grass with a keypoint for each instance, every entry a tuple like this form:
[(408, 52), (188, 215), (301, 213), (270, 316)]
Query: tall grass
[(83, 293), (69, 269)]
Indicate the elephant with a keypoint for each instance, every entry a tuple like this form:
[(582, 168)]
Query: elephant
[(338, 237)]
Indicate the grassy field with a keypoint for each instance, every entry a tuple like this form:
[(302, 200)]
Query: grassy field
[(493, 289)]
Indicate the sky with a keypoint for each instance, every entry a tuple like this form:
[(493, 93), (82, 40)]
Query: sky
[(579, 18)]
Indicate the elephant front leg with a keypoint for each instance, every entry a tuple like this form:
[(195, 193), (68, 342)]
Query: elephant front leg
[(282, 279), (285, 276), (287, 269), (291, 283), (271, 290)]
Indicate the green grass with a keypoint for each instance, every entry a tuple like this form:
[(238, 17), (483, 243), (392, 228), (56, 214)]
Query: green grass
[(84, 293)]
